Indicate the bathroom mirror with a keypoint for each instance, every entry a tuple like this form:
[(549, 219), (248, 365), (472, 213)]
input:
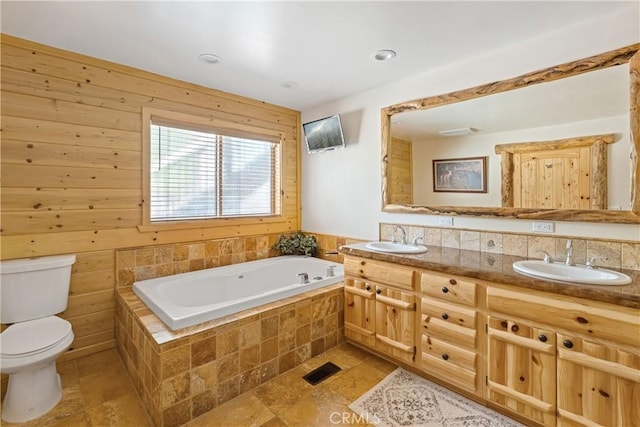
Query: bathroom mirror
[(612, 101)]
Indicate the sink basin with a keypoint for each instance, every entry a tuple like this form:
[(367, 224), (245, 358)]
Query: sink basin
[(571, 273), (396, 248)]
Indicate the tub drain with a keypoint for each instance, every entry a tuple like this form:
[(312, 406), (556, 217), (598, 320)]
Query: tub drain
[(241, 277)]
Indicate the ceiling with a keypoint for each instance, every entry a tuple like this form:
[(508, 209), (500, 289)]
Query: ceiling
[(324, 47)]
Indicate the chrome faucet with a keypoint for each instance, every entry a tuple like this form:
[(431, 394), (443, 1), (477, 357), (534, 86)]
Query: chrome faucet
[(304, 278), (591, 264), (414, 242), (569, 260), (404, 234)]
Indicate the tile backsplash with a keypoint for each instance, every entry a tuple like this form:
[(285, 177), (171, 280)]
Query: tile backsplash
[(613, 253)]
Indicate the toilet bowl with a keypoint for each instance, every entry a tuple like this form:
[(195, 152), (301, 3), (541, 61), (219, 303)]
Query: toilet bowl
[(28, 352), (32, 292)]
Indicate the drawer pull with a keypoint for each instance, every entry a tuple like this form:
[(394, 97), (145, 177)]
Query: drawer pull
[(378, 291), (445, 289), (445, 316), (368, 288), (452, 281), (542, 337), (445, 356), (567, 343), (515, 328), (504, 324)]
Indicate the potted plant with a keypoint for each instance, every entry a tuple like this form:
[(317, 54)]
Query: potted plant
[(297, 243)]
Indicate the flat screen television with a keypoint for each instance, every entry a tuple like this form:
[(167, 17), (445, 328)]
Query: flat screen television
[(324, 134)]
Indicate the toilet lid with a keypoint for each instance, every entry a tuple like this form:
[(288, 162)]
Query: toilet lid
[(33, 336)]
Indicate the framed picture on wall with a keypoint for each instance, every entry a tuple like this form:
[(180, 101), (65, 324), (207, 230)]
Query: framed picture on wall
[(465, 175)]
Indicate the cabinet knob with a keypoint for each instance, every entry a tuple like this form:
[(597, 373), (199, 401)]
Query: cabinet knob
[(378, 291), (445, 316), (567, 343), (515, 328), (504, 324), (452, 281), (445, 289), (445, 356), (542, 337), (367, 288)]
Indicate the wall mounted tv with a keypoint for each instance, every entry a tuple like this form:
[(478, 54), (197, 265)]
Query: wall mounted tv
[(324, 134)]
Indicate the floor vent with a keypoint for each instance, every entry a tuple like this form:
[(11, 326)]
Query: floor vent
[(322, 373)]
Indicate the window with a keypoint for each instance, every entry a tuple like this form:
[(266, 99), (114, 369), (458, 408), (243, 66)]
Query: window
[(202, 172)]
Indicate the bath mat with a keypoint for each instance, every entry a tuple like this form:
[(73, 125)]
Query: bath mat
[(405, 399)]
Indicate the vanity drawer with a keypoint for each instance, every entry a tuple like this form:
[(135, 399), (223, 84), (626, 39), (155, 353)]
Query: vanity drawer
[(449, 353), (436, 327), (380, 272), (448, 288), (595, 319), (451, 313)]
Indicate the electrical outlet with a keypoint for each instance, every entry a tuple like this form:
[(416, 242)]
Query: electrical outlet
[(446, 221), (543, 227)]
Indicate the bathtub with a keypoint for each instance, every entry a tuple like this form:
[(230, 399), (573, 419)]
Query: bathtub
[(187, 299)]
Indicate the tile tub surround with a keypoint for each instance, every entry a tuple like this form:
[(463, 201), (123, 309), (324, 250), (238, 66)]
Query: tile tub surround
[(619, 254), (182, 374)]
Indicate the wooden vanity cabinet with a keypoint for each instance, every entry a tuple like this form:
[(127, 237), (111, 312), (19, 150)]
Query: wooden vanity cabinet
[(380, 307), (586, 370), (597, 383), (550, 359), (449, 330), (521, 368), (359, 311)]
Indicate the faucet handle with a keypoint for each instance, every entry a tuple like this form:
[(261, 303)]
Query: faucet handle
[(591, 264), (547, 257), (414, 242)]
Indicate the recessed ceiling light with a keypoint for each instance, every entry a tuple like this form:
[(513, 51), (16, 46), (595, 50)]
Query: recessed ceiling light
[(289, 84), (458, 132), (209, 58), (383, 55)]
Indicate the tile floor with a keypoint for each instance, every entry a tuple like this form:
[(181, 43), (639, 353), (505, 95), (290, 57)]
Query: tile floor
[(98, 392)]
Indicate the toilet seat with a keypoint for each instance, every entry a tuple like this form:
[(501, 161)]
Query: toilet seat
[(32, 337)]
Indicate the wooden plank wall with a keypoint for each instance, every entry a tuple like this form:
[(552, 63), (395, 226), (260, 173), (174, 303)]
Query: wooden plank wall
[(71, 168), (400, 172)]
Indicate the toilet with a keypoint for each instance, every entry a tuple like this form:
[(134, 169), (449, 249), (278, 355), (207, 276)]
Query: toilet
[(32, 292)]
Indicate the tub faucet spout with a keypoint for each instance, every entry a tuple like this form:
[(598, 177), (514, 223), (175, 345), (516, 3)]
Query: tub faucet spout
[(304, 278)]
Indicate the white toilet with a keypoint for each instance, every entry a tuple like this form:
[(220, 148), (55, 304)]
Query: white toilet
[(32, 291)]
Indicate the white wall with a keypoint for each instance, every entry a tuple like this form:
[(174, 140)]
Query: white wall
[(341, 192), (483, 144)]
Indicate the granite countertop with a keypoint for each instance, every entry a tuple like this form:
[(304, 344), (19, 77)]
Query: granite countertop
[(497, 268)]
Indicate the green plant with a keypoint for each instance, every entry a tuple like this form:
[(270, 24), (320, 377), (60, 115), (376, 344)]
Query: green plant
[(297, 243)]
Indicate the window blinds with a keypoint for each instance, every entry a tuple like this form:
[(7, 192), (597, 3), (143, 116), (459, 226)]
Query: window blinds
[(205, 174)]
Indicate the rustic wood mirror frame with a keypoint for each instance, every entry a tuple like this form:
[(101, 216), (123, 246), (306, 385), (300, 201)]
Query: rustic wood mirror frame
[(629, 54)]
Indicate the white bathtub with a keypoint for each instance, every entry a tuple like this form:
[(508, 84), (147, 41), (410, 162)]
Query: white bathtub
[(190, 298)]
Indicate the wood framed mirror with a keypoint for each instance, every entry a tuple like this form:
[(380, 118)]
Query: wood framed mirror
[(394, 189)]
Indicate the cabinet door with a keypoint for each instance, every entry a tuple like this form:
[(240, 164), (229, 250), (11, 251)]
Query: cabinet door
[(522, 369), (359, 311), (395, 320), (597, 384)]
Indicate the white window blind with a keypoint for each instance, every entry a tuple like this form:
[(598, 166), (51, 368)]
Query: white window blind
[(198, 173)]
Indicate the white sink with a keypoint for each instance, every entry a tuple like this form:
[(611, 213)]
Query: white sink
[(396, 248), (571, 273)]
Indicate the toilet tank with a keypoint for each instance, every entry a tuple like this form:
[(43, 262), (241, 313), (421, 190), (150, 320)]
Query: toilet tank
[(32, 288)]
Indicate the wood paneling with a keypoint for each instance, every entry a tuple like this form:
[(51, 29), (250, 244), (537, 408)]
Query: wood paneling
[(400, 172), (71, 168)]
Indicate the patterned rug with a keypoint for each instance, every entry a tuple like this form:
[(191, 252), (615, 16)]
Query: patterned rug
[(405, 399)]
